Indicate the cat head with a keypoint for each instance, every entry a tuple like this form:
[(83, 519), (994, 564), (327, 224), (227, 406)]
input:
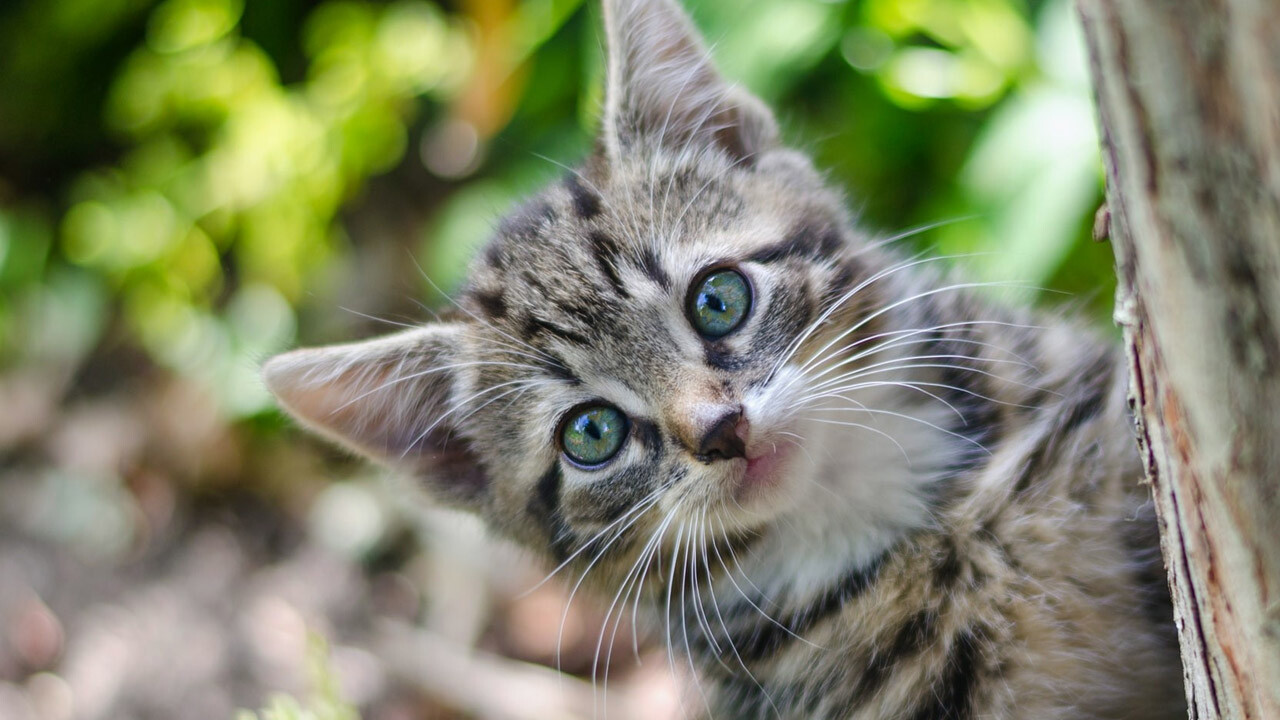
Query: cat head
[(635, 345)]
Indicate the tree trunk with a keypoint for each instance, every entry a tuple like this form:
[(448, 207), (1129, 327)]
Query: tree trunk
[(1189, 103)]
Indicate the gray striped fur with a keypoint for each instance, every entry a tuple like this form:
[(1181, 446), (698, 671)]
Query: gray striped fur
[(955, 531)]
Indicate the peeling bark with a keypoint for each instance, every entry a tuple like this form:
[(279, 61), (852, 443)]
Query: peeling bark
[(1189, 104)]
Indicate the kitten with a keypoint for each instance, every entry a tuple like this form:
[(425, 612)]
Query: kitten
[(843, 485)]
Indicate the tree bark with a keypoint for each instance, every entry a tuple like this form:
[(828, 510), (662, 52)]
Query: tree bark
[(1189, 104)]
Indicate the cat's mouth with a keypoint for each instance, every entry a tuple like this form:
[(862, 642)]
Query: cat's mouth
[(762, 472)]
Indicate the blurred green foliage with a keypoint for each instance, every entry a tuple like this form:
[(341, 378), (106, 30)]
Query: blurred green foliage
[(325, 703), (205, 181)]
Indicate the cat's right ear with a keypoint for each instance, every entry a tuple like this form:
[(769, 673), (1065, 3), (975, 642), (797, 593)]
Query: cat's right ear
[(390, 399), (664, 91)]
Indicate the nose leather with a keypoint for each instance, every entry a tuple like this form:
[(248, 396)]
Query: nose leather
[(723, 440)]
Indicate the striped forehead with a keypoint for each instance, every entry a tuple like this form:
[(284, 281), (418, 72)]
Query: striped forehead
[(596, 272), (583, 264), (569, 289)]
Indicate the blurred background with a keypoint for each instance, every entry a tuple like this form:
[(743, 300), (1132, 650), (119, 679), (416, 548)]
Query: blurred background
[(188, 186)]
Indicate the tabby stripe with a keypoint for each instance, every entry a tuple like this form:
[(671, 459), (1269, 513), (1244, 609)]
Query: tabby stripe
[(719, 356), (535, 325), (528, 221), (586, 203), (1141, 541), (652, 267), (605, 252), (1072, 413), (491, 302), (494, 256), (840, 285), (747, 699), (807, 240), (1088, 405), (648, 434), (979, 419), (768, 638), (950, 697), (913, 636), (556, 367), (545, 507), (740, 698)]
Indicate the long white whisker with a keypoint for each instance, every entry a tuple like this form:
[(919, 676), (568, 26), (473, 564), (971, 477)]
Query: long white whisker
[(424, 373), (654, 552), (838, 393), (699, 612), (523, 383), (385, 321), (521, 343), (715, 603), (891, 306), (838, 303), (671, 582), (684, 618), (907, 362), (768, 618), (917, 230), (912, 364), (902, 338), (638, 508), (569, 602), (904, 416), (916, 385)]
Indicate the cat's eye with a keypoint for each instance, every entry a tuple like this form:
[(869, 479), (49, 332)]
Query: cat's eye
[(720, 300), (592, 434)]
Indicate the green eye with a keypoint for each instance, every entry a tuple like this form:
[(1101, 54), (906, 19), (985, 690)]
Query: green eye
[(593, 435), (720, 302)]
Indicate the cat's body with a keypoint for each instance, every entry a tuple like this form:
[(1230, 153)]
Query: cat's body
[(872, 496)]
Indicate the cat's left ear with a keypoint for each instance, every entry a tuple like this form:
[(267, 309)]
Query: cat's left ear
[(664, 91)]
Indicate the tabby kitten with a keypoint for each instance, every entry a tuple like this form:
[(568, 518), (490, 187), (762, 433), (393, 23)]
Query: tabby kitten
[(841, 485)]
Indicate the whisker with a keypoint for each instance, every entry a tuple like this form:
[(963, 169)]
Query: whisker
[(916, 385), (624, 591), (904, 416), (523, 385), (912, 364), (715, 603), (671, 582), (908, 362), (837, 304), (685, 572), (375, 318), (569, 602), (699, 612), (917, 230), (906, 338), (898, 303), (636, 509), (521, 343), (768, 618), (424, 373)]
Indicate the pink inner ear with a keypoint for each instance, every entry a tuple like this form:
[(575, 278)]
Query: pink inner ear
[(387, 399), (373, 397), (338, 393)]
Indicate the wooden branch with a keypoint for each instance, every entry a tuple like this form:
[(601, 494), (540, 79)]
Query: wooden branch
[(1189, 103)]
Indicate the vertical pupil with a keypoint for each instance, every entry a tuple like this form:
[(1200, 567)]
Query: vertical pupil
[(592, 430), (715, 302)]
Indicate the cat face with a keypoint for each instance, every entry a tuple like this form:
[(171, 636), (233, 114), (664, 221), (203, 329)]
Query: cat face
[(639, 346)]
